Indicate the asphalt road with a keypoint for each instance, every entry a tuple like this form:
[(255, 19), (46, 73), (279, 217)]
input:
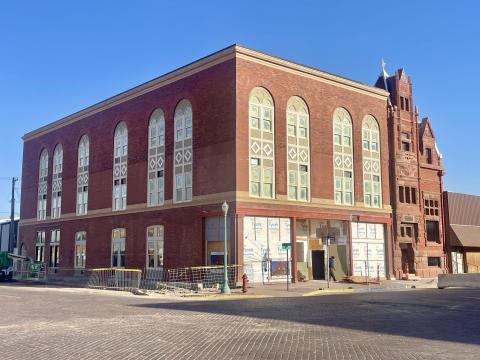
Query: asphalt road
[(45, 323)]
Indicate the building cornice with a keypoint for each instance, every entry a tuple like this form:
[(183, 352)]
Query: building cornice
[(290, 66), (231, 52)]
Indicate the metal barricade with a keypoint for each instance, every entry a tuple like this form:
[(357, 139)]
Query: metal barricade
[(115, 279)]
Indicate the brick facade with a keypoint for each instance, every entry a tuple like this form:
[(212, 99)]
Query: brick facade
[(218, 88), (416, 180)]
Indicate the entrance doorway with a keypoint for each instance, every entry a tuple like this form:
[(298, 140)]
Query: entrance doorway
[(318, 264), (408, 265)]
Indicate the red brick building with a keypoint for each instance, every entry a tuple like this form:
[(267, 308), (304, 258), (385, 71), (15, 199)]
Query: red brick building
[(416, 185), (300, 156)]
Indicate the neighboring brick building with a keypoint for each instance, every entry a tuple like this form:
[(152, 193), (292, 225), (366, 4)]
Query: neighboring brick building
[(416, 185), (138, 180)]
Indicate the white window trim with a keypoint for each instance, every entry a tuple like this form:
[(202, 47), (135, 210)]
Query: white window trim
[(40, 243), (42, 186), (55, 244), (83, 245), (342, 116), (156, 160), (263, 99), (120, 167), (296, 107), (183, 152), (56, 208), (156, 240), (370, 156), (121, 240), (83, 166)]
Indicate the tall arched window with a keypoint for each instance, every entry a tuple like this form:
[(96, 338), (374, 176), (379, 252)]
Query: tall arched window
[(42, 186), (120, 167), (298, 149), (261, 144), (156, 158), (57, 182), (82, 175), (343, 157), (183, 154), (372, 188)]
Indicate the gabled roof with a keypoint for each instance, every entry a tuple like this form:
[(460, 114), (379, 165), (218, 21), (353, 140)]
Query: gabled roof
[(401, 74), (425, 126)]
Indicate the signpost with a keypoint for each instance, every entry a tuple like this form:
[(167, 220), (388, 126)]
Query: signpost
[(287, 246)]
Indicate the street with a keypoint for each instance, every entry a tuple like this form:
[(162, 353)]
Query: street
[(53, 323)]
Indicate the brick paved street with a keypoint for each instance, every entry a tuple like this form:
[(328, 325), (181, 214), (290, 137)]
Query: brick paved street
[(49, 323)]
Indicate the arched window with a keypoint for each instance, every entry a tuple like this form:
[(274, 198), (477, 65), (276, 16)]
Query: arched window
[(120, 167), (119, 237), (343, 157), (40, 246), (372, 186), (298, 149), (261, 144), (156, 158), (54, 257), (82, 175), (183, 154), (155, 239), (57, 182), (42, 186), (80, 249)]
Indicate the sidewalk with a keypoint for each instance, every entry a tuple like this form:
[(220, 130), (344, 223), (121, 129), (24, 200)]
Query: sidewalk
[(319, 287)]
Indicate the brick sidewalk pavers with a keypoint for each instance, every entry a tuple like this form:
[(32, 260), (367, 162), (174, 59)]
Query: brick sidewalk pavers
[(39, 323)]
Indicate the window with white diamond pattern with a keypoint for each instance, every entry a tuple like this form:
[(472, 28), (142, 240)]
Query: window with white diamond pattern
[(298, 153), (120, 167), (156, 158), (57, 182), (261, 144), (183, 153), (42, 186), (82, 175), (372, 187), (343, 157)]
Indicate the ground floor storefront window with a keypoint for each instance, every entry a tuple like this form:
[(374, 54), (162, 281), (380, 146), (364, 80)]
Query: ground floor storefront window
[(312, 252), (368, 249), (264, 258)]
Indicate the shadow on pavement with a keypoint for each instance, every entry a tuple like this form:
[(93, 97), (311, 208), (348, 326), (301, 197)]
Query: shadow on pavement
[(445, 315)]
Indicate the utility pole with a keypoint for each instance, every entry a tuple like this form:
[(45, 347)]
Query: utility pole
[(12, 217)]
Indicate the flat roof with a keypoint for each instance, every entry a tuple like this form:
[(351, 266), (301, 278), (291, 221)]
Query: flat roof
[(228, 53)]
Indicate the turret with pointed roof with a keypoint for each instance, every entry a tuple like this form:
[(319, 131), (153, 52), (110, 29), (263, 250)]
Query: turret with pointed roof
[(415, 183)]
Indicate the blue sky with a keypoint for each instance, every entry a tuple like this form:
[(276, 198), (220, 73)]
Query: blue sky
[(57, 57)]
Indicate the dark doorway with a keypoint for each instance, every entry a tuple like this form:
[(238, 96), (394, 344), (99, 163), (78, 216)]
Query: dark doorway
[(318, 264), (408, 265)]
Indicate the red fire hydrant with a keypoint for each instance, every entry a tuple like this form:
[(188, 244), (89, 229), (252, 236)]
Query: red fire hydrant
[(244, 283)]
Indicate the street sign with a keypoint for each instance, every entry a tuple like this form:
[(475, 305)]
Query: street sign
[(286, 246)]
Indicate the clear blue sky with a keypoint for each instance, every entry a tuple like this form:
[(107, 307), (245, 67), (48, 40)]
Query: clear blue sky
[(57, 57)]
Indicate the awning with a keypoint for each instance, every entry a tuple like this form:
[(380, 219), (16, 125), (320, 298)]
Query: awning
[(465, 235)]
